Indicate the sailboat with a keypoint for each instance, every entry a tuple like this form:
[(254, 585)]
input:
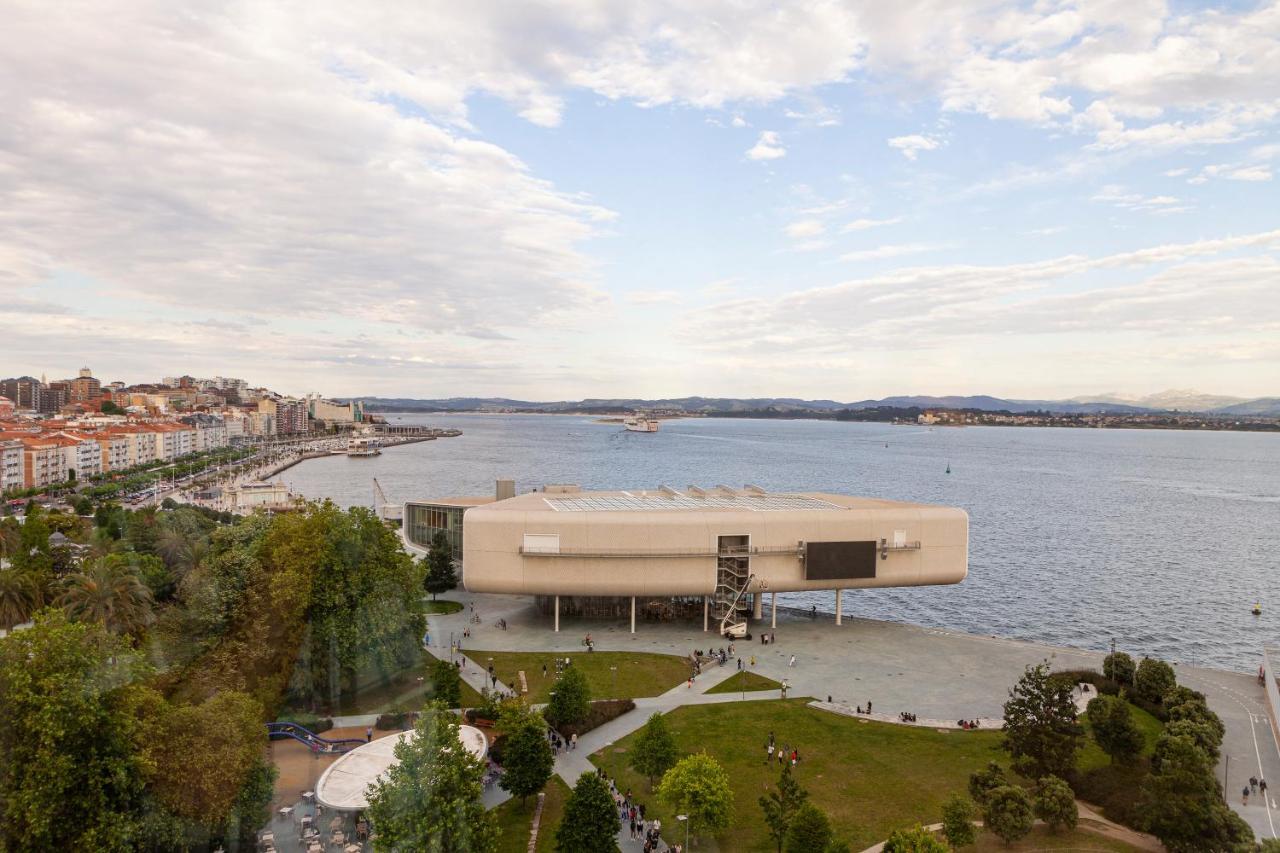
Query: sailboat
[(948, 467)]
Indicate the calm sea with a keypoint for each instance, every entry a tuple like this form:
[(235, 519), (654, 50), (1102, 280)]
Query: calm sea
[(1160, 539)]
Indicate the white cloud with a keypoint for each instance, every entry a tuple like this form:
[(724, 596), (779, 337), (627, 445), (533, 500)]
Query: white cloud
[(893, 251), (1250, 173), (1120, 197), (805, 228), (767, 147), (654, 297), (1176, 173), (738, 121), (864, 224), (912, 145)]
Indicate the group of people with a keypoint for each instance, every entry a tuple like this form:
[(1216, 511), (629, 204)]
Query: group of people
[(907, 717), (632, 815), (558, 742), (1256, 786), (766, 639), (782, 754), (868, 711), (967, 724)]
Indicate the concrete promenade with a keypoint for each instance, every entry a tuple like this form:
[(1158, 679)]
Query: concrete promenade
[(935, 674)]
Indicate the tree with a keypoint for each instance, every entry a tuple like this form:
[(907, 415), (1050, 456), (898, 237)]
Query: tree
[(440, 576), (1197, 711), (430, 800), (780, 806), (982, 782), (571, 700), (1154, 678), (917, 839), (654, 752), (204, 754), (72, 775), (957, 822), (107, 591), (1204, 735), (1055, 804), (1181, 802), (590, 823), (19, 597), (809, 831), (1007, 813), (447, 683), (698, 787), (1040, 727), (33, 543), (1113, 728), (527, 760), (110, 408)]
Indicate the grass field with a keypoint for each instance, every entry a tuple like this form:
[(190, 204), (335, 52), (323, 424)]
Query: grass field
[(515, 820), (745, 680), (638, 673), (870, 778)]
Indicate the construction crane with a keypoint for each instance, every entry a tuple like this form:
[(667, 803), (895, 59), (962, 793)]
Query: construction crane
[(385, 510)]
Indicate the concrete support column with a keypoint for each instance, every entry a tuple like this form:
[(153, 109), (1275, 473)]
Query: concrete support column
[(838, 613), (633, 614), (557, 613), (773, 601), (706, 614), (757, 606)]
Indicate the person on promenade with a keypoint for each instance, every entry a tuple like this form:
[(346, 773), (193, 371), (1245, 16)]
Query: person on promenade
[(368, 735), (1253, 784), (1262, 786), (868, 706), (1245, 798), (573, 741), (792, 662)]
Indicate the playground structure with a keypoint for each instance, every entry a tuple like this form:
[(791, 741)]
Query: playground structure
[(317, 744)]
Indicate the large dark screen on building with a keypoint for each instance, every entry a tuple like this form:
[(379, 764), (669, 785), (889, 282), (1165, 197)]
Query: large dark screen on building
[(839, 560)]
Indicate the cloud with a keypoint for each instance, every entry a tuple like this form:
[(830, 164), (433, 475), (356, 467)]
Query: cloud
[(767, 147), (1045, 232), (1250, 173), (738, 121), (654, 297), (805, 228), (1159, 204), (893, 251), (864, 224), (1180, 290), (911, 146)]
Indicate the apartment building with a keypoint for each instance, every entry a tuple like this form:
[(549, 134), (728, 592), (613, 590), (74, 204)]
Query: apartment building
[(290, 415), (10, 464), (80, 453), (42, 462), (115, 448)]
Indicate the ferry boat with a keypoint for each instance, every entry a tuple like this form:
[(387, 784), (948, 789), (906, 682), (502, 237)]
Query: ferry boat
[(639, 423), (363, 445)]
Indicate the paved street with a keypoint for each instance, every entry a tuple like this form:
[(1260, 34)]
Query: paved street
[(932, 673)]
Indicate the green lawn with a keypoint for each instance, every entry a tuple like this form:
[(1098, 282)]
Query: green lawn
[(745, 680), (442, 606), (869, 777), (639, 673), (515, 820)]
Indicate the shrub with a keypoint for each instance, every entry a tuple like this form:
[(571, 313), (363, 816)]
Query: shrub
[(917, 839), (1114, 729), (570, 700), (1118, 667), (1055, 804), (598, 713), (983, 782), (1114, 789), (957, 822), (1008, 813), (808, 831), (394, 719)]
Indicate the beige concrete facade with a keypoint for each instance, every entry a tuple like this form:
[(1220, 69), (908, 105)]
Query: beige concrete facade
[(565, 542)]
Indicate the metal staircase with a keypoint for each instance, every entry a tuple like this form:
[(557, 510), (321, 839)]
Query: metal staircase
[(733, 579)]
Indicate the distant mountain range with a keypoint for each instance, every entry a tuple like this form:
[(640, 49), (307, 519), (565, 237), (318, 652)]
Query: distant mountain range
[(1165, 401)]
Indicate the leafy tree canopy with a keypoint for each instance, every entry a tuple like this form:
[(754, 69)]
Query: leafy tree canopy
[(1008, 813), (699, 787), (1154, 679), (654, 752), (1055, 804), (917, 839), (1040, 727), (430, 800), (780, 805), (809, 830), (590, 823), (570, 700), (957, 822), (1112, 725)]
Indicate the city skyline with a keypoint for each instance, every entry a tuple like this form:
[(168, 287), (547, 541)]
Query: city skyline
[(817, 200)]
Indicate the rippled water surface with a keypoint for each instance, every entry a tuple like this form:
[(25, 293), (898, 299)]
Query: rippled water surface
[(1161, 539)]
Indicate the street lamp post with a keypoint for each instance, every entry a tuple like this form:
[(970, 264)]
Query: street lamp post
[(684, 818), (614, 670)]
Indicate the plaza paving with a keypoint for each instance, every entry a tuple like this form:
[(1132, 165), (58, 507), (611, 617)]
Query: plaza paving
[(935, 674)]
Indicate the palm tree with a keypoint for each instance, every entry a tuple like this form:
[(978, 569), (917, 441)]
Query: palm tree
[(107, 591), (10, 538), (101, 544), (19, 597)]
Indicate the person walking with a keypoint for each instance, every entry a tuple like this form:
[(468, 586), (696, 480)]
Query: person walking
[(768, 752), (573, 741), (1253, 784), (1244, 800), (792, 662), (368, 735)]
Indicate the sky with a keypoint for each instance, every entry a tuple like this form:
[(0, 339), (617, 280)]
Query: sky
[(557, 200)]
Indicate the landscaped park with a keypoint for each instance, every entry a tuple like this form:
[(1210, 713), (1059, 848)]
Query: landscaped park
[(194, 630)]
